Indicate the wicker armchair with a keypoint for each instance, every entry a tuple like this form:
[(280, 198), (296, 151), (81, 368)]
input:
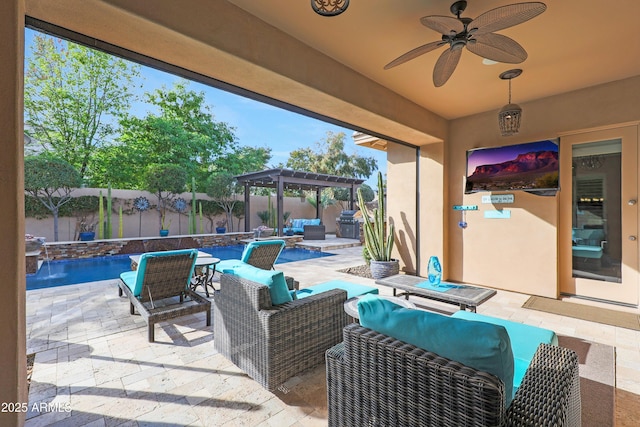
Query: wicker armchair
[(376, 380), (274, 343)]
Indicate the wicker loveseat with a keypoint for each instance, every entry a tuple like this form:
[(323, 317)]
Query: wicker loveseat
[(376, 380), (273, 343)]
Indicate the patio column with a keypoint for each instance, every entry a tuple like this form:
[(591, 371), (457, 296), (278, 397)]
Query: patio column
[(13, 363), (280, 205), (247, 207), (318, 200)]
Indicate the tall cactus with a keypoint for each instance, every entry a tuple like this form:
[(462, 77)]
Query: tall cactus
[(378, 242), (120, 224), (100, 217), (192, 217), (109, 231)]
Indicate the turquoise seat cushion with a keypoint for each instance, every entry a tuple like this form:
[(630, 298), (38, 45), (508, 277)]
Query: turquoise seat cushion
[(352, 289), (483, 346), (129, 279), (525, 340), (229, 264), (134, 279), (297, 225), (273, 279)]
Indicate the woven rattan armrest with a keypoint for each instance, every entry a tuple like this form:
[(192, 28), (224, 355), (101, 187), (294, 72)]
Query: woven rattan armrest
[(373, 378), (550, 390)]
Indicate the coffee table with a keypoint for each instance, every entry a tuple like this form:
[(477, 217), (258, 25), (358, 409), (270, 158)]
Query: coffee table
[(466, 296), (351, 305)]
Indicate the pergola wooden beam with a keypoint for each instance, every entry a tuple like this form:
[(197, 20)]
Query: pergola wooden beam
[(287, 179)]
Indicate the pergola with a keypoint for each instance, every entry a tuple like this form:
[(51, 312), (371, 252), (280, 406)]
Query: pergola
[(287, 179)]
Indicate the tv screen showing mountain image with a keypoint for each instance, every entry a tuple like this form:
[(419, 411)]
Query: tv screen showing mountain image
[(532, 167)]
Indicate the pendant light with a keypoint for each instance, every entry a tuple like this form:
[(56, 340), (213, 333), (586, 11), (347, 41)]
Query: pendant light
[(329, 7), (510, 115)]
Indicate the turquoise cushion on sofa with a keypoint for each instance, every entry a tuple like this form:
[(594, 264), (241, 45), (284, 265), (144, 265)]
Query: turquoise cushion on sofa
[(273, 279), (353, 289), (480, 345), (525, 340)]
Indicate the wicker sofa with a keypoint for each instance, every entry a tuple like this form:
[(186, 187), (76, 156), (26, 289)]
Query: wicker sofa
[(376, 380), (273, 343)]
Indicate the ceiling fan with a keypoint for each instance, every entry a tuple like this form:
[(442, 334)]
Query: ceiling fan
[(478, 35)]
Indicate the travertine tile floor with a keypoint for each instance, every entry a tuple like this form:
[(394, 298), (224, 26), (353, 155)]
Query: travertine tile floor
[(94, 366)]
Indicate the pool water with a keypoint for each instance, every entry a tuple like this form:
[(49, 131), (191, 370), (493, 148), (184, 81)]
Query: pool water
[(71, 272)]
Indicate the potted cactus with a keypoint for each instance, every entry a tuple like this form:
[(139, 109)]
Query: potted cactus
[(378, 238)]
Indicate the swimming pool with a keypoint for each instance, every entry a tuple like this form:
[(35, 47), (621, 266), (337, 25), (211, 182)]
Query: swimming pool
[(71, 272)]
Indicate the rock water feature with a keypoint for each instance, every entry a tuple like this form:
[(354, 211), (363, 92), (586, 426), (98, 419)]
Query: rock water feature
[(32, 246)]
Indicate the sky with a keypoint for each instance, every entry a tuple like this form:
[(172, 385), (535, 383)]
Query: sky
[(256, 124)]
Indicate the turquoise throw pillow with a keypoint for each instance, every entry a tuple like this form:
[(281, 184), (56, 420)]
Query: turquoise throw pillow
[(480, 345), (273, 279)]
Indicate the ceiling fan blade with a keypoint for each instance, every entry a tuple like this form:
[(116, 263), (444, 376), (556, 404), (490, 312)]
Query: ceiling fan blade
[(443, 24), (505, 17), (498, 48), (414, 53), (446, 65)]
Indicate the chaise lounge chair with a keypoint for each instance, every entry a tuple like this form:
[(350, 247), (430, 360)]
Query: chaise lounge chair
[(262, 254), (159, 288)]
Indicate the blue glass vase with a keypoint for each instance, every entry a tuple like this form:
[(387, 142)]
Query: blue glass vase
[(434, 271)]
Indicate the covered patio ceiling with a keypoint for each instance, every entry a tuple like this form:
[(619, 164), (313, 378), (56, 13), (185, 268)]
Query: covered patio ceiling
[(287, 179)]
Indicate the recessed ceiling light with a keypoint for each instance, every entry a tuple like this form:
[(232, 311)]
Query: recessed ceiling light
[(486, 61)]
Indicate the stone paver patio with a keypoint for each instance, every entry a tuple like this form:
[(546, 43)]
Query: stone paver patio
[(95, 367)]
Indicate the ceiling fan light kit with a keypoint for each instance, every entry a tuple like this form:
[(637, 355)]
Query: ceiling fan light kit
[(329, 7), (477, 35), (510, 115)]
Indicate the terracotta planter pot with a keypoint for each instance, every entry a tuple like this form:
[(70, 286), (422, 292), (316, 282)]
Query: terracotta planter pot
[(381, 269)]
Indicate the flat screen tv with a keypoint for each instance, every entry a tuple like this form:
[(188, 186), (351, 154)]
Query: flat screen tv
[(531, 167)]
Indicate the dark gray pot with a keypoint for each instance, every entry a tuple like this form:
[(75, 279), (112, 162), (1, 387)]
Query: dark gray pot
[(381, 269)]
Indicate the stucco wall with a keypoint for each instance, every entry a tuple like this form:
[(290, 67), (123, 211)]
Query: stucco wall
[(521, 253), (136, 224)]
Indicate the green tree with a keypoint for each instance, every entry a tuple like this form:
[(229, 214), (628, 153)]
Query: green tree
[(342, 194), (330, 158), (180, 131), (223, 190), (73, 97), (51, 181), (166, 181)]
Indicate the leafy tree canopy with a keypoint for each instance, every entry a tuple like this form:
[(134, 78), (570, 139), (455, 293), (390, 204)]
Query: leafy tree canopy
[(73, 98), (181, 131), (50, 181), (223, 189), (166, 181), (330, 158)]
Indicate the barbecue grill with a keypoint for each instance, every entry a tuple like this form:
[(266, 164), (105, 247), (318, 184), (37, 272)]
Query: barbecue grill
[(349, 225)]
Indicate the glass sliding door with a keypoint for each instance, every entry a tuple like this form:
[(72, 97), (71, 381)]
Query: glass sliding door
[(599, 215), (596, 216)]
